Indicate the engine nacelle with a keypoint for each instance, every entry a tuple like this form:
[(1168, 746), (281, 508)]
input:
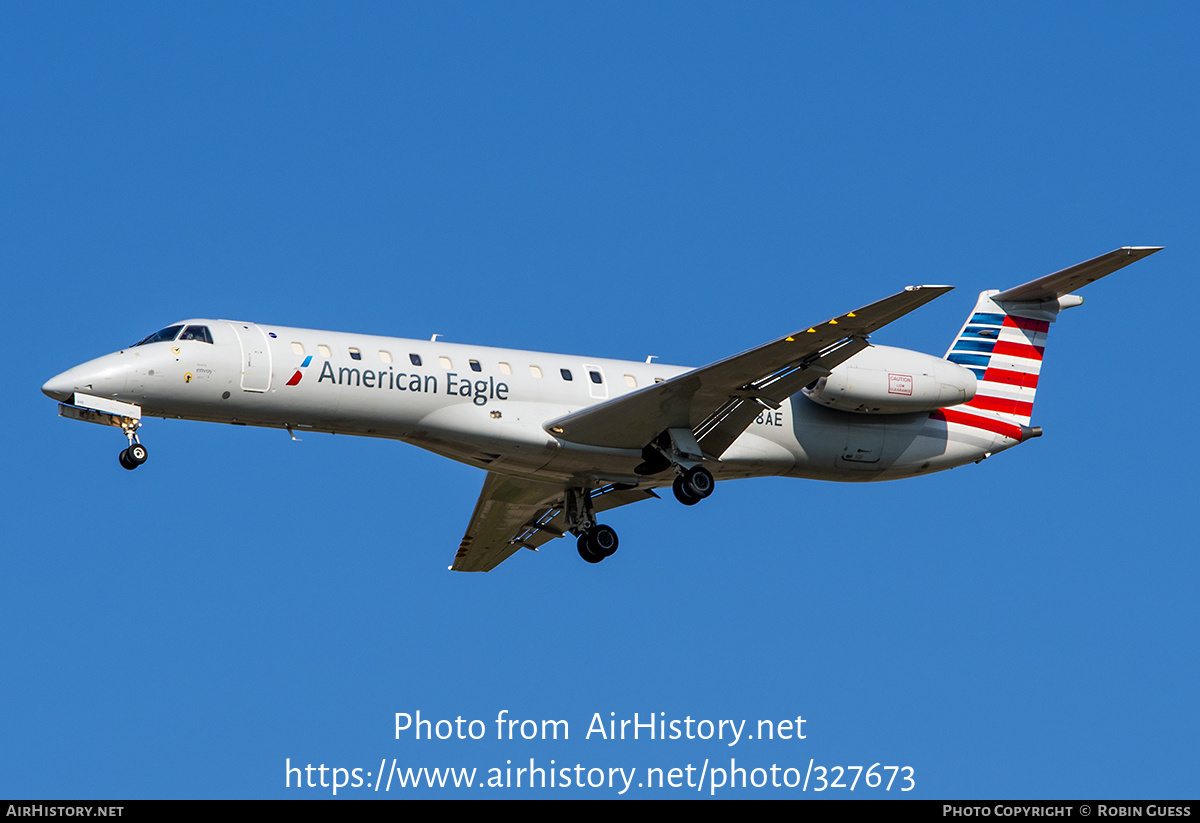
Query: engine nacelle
[(886, 380)]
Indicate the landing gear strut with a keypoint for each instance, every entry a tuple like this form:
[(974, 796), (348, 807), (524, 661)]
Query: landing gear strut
[(595, 542), (136, 454)]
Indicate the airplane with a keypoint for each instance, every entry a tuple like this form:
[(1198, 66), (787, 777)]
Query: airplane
[(564, 438)]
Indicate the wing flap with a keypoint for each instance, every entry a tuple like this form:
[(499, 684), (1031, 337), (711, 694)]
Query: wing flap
[(769, 374)]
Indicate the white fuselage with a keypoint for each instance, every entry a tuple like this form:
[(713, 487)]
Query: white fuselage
[(488, 407)]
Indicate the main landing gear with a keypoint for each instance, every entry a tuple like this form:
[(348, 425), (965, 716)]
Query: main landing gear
[(677, 448), (595, 542), (136, 454), (693, 485)]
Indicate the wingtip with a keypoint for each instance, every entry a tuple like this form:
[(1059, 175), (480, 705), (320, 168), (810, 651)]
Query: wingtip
[(1134, 253)]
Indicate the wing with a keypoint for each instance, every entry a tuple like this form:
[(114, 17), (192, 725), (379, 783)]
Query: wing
[(514, 513), (717, 402), (1054, 286)]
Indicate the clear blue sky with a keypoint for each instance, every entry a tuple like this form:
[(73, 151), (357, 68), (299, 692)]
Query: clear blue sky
[(683, 180)]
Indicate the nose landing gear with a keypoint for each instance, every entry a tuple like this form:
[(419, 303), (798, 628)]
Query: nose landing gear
[(133, 456), (136, 454)]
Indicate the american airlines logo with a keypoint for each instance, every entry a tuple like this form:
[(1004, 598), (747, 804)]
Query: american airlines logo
[(300, 371)]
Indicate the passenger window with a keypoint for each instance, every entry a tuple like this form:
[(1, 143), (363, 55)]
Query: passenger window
[(198, 333), (475, 366), (536, 371), (658, 380), (596, 378), (324, 351), (355, 354), (566, 374), (631, 381), (445, 362), (385, 356), (505, 368), (415, 359), (298, 348)]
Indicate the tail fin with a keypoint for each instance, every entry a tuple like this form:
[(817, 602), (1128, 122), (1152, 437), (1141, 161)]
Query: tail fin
[(1003, 346), (1004, 339)]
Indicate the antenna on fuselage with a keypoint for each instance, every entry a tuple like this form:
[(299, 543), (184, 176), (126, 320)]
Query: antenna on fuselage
[(435, 337), (651, 357)]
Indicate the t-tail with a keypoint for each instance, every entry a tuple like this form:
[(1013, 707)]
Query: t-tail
[(1004, 339)]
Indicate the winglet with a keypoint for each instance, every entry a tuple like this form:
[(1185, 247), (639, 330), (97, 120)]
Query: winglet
[(1054, 286)]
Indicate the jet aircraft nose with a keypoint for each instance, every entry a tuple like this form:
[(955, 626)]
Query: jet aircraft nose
[(61, 386), (105, 376)]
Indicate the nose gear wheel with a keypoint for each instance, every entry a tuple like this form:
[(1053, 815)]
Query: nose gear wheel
[(136, 454)]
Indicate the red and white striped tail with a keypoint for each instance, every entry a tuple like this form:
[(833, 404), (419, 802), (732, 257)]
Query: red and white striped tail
[(1004, 339), (1004, 349)]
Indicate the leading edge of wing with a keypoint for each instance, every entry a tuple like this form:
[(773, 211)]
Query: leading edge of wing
[(689, 399)]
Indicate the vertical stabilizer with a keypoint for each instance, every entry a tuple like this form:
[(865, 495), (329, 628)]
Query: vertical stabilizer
[(1003, 345)]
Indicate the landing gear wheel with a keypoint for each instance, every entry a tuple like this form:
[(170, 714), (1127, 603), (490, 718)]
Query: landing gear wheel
[(585, 552), (699, 482), (136, 454), (602, 540), (683, 493), (123, 458), (597, 543)]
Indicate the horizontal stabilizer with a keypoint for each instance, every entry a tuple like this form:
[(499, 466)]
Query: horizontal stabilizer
[(1054, 286)]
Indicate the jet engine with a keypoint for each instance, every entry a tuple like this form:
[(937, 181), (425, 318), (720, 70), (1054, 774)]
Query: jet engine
[(887, 380)]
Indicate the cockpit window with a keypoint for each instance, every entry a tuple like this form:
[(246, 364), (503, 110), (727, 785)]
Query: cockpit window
[(198, 333), (164, 336)]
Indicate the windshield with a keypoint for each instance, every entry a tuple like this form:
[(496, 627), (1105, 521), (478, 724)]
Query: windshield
[(163, 336), (200, 333)]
